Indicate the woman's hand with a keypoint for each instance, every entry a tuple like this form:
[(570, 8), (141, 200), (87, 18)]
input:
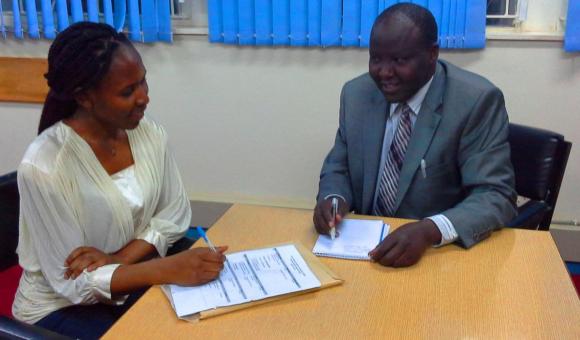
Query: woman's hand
[(189, 268), (195, 266), (88, 258)]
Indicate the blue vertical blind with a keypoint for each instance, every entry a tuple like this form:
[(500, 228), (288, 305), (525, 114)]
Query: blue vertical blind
[(334, 22), (144, 20), (572, 36)]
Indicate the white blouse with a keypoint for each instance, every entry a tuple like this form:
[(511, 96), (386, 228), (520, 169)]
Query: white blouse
[(68, 200), (126, 182)]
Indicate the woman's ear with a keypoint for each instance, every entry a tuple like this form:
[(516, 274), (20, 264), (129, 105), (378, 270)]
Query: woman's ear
[(84, 100)]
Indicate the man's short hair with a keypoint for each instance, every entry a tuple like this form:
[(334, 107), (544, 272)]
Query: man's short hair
[(420, 16)]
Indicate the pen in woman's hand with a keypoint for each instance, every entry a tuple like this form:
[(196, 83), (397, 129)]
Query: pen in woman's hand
[(201, 233)]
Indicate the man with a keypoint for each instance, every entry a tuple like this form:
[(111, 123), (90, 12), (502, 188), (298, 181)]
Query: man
[(418, 138)]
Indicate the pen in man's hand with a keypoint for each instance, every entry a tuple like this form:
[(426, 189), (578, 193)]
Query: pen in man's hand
[(334, 211), (201, 233)]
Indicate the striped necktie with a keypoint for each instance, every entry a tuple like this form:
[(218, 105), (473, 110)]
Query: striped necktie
[(389, 181)]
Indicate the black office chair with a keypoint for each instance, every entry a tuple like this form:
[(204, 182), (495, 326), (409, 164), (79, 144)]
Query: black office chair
[(9, 208), (14, 329), (539, 158), (9, 204)]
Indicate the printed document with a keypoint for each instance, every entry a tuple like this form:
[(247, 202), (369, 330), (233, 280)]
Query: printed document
[(247, 276)]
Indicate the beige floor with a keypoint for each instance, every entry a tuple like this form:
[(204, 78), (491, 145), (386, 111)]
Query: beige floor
[(567, 239), (205, 214)]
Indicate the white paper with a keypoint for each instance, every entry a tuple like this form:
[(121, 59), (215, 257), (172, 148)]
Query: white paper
[(356, 238), (247, 276)]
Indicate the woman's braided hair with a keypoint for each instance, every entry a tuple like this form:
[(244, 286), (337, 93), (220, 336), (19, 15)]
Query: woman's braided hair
[(78, 59)]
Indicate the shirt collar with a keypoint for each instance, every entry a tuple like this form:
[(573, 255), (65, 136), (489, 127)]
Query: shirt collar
[(416, 101)]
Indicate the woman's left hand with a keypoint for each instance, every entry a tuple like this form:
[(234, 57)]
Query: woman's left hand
[(88, 258)]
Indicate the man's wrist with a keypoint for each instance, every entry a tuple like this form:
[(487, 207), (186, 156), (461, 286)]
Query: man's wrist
[(343, 205), (446, 228), (433, 233)]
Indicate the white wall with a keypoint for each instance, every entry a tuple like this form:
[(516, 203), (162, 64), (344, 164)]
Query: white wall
[(253, 124)]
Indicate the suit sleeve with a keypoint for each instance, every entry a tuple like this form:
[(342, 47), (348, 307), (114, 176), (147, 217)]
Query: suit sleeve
[(335, 175), (486, 172)]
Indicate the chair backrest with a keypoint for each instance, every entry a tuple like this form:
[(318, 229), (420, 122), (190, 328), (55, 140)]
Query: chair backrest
[(14, 329), (539, 158), (9, 207)]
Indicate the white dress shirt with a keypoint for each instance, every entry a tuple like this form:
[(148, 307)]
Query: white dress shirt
[(448, 232)]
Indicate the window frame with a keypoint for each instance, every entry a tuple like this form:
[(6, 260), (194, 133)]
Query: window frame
[(536, 27), (188, 23)]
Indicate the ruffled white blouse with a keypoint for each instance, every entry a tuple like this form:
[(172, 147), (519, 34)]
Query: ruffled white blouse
[(68, 200), (126, 182)]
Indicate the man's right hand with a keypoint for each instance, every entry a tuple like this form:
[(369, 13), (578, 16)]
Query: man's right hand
[(323, 214)]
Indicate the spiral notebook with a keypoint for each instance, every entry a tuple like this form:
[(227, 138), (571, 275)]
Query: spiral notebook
[(354, 241)]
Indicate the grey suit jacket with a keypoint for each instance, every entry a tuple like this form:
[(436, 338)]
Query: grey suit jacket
[(461, 132)]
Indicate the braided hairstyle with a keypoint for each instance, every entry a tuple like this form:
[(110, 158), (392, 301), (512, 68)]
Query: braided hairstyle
[(78, 59)]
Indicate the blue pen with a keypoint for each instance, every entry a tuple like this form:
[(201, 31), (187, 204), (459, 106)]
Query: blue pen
[(204, 236)]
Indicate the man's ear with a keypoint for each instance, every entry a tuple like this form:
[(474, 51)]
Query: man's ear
[(434, 53), (84, 100)]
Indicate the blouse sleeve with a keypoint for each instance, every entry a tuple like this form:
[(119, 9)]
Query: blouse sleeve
[(50, 231), (172, 216)]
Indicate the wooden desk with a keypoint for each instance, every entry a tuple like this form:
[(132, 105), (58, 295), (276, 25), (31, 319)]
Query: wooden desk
[(512, 286)]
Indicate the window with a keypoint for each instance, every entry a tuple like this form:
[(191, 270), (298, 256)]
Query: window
[(501, 12), (517, 16), (178, 7), (190, 14), (184, 13), (527, 16), (514, 16)]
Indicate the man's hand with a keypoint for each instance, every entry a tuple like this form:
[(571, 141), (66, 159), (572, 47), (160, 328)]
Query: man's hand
[(88, 258), (323, 214), (405, 246)]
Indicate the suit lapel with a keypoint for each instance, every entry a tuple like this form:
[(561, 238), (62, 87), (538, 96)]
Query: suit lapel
[(423, 132), (373, 134)]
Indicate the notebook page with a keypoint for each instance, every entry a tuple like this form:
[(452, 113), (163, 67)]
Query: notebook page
[(355, 239)]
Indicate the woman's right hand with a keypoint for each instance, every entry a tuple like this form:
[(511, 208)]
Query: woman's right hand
[(195, 266)]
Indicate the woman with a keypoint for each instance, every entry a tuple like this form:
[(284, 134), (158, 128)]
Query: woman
[(101, 197)]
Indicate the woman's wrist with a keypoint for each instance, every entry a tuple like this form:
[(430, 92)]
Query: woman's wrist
[(130, 277), (158, 270)]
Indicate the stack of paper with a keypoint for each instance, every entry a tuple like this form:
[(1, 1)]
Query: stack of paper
[(356, 238), (247, 276)]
